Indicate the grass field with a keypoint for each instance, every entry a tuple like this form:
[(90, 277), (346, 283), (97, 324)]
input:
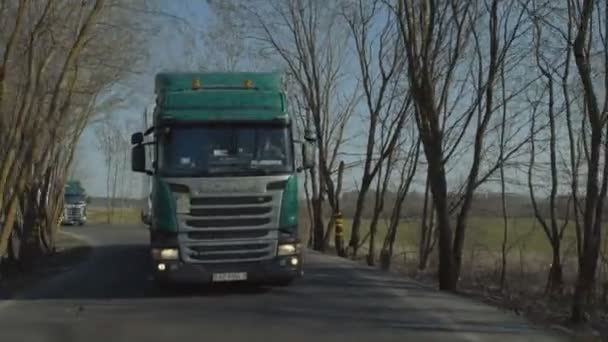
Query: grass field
[(529, 253), (482, 234), (119, 215)]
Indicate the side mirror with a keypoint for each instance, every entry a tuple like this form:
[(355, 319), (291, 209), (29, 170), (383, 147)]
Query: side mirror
[(137, 138), (145, 218), (308, 155), (88, 200), (138, 158)]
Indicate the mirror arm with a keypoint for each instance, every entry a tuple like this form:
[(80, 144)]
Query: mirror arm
[(149, 130)]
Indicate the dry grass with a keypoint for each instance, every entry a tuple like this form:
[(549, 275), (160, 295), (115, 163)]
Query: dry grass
[(118, 216), (528, 262), (482, 234)]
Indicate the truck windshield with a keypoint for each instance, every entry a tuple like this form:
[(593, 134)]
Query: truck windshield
[(74, 199), (226, 150)]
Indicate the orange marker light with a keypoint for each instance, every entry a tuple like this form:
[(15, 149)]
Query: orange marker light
[(196, 83), (248, 84)]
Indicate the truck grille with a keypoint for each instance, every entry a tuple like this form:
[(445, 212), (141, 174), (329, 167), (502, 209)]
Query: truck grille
[(230, 211), (230, 200), (74, 213), (231, 256), (231, 222), (228, 234), (229, 252), (230, 228)]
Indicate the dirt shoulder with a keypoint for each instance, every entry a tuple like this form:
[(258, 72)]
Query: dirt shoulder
[(71, 250), (540, 311)]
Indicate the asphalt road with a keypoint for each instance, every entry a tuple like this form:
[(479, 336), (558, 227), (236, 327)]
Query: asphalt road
[(110, 297)]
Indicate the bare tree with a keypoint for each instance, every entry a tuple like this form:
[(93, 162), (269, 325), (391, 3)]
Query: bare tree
[(11, 41), (597, 185), (115, 149), (408, 170), (503, 197), (553, 229), (307, 39), (60, 64), (428, 235), (437, 36), (550, 68), (381, 66)]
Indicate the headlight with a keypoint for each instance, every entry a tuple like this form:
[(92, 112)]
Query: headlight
[(288, 249), (182, 202), (165, 253)]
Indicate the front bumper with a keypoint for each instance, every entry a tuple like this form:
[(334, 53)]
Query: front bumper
[(275, 270), (71, 221)]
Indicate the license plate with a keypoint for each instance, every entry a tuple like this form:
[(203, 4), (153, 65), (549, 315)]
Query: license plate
[(236, 276)]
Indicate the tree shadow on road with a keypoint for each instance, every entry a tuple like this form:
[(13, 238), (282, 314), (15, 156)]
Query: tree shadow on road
[(331, 292), (120, 272)]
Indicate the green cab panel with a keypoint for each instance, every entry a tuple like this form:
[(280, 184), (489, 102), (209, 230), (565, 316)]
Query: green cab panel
[(163, 206), (289, 205), (74, 187), (222, 105), (224, 116), (266, 81), (222, 100)]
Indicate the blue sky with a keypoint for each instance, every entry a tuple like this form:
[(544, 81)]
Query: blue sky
[(180, 47), (168, 50)]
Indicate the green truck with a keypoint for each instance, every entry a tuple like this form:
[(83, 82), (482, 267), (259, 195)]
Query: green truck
[(74, 204), (224, 188)]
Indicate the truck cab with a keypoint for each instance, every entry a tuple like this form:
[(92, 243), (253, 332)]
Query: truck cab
[(224, 197), (74, 204)]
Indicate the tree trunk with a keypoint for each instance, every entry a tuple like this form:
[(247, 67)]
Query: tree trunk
[(309, 208), (10, 212), (355, 236), (317, 211), (503, 197), (592, 230), (386, 254), (407, 175), (555, 277), (31, 250), (583, 292), (328, 232), (108, 191), (446, 274), (339, 235), (505, 235), (318, 224), (332, 226), (372, 245), (424, 230)]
